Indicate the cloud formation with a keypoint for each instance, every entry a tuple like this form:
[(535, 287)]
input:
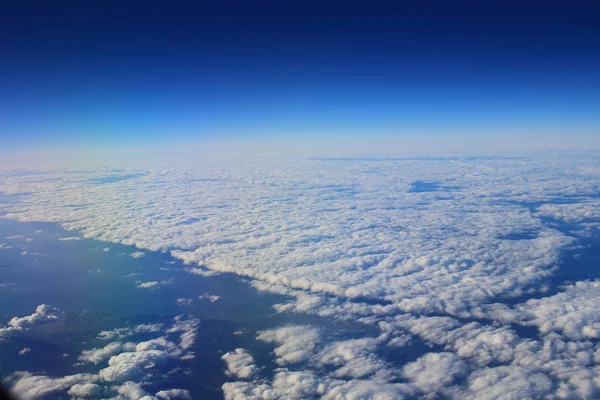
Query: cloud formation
[(352, 241)]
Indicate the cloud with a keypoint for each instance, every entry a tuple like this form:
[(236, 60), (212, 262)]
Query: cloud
[(174, 394), (299, 385), (121, 333), (184, 301), (132, 391), (211, 298), (43, 314), (295, 343), (84, 390), (573, 312), (353, 358), (240, 364), (508, 383), (70, 238), (153, 284), (98, 355), (351, 242), (188, 329), (26, 386), (124, 367), (137, 254), (24, 351), (434, 371)]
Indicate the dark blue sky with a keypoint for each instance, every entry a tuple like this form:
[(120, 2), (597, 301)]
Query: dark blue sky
[(109, 74)]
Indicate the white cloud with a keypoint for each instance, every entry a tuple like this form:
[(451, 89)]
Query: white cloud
[(98, 355), (121, 333), (184, 301), (212, 298), (349, 241), (132, 391), (188, 329), (240, 364), (174, 394), (295, 343), (84, 390), (70, 238), (137, 254), (434, 371), (573, 312), (153, 284), (26, 386), (136, 363), (43, 314), (24, 351)]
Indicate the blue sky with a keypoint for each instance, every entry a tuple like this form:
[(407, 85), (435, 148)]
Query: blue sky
[(153, 72)]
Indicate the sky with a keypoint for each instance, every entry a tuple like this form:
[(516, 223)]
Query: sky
[(100, 74)]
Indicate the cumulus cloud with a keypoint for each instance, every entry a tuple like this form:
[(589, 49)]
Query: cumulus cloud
[(184, 301), (98, 355), (240, 363), (24, 351), (188, 329), (433, 371), (212, 298), (174, 394), (137, 254), (351, 241), (26, 386), (573, 312), (134, 364), (121, 333), (153, 284), (69, 238), (296, 343), (84, 390), (43, 314)]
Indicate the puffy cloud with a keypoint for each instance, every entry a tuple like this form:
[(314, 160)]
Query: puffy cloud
[(296, 343), (153, 284), (24, 351), (43, 314), (188, 329), (132, 391), (240, 363), (184, 301), (352, 241), (209, 297), (130, 365), (84, 390), (121, 333), (98, 355), (172, 394), (69, 238), (573, 312), (299, 385), (508, 383), (353, 358), (434, 371), (25, 385), (137, 254)]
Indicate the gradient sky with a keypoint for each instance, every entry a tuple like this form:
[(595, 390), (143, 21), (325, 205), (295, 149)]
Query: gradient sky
[(105, 73)]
